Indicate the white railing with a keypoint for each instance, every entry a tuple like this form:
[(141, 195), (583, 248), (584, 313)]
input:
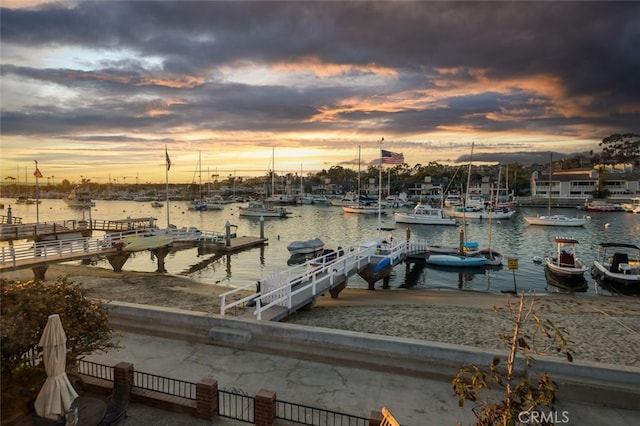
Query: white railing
[(280, 288), (11, 255)]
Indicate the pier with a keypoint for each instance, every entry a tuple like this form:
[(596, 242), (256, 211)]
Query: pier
[(285, 292), (36, 246)]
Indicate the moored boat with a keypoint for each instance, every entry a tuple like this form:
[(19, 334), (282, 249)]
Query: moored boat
[(566, 263), (455, 260), (424, 214), (79, 197), (305, 247), (556, 220), (260, 209), (622, 267)]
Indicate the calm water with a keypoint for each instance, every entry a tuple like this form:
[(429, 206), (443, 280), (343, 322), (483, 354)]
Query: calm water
[(513, 238)]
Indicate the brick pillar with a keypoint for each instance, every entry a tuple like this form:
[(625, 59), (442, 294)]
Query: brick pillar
[(207, 399), (265, 409), (123, 373), (375, 418)]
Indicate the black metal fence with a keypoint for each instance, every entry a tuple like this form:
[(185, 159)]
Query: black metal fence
[(232, 403), (93, 369), (166, 385), (305, 415), (236, 404)]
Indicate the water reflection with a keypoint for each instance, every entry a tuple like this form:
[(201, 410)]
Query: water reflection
[(513, 238), (566, 284)]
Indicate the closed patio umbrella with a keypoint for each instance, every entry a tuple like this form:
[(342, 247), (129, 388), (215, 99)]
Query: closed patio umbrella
[(56, 394)]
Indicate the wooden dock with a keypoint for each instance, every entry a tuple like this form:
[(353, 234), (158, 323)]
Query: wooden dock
[(235, 244)]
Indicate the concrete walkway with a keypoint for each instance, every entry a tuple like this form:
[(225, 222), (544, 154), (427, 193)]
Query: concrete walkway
[(347, 389)]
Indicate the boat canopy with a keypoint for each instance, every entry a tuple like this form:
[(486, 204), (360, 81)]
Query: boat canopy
[(564, 240), (621, 245)]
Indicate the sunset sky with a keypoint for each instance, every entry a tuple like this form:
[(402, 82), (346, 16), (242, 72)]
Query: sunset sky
[(98, 89)]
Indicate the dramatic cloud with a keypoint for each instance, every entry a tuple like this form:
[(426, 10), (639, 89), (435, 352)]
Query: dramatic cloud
[(225, 77)]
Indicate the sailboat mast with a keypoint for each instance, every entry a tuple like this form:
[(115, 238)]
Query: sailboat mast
[(549, 189), (380, 191), (166, 180)]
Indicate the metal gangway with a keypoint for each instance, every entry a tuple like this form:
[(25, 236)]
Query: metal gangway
[(284, 292)]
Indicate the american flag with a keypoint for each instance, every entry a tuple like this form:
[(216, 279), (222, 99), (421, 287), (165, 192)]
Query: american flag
[(37, 172), (389, 157), (167, 158)]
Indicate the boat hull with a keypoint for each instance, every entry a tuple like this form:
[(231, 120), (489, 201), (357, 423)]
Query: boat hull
[(602, 271), (424, 215), (455, 260), (484, 214), (305, 247), (555, 220)]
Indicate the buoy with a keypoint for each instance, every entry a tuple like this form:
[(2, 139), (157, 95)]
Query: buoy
[(606, 225)]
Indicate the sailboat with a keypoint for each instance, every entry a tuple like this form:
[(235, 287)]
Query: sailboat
[(556, 219), (493, 257), (363, 206), (203, 204), (262, 209)]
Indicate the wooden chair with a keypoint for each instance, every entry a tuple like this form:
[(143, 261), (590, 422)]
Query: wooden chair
[(387, 418)]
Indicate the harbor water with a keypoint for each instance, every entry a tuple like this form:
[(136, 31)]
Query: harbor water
[(514, 238)]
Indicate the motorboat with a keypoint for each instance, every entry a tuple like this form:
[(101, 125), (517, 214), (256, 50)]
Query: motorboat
[(621, 267), (566, 263), (79, 197), (346, 200), (205, 204), (633, 206), (260, 209), (556, 220), (306, 247), (601, 206), (424, 214)]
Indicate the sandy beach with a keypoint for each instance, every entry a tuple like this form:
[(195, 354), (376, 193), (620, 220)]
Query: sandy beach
[(602, 328)]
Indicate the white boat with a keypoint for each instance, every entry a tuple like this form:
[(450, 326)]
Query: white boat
[(347, 199), (566, 263), (320, 199), (633, 206), (306, 247), (453, 200), (424, 214), (556, 220), (79, 197), (622, 267), (260, 209), (482, 213), (362, 208), (146, 242)]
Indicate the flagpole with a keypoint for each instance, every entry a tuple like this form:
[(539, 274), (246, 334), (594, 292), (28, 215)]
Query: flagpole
[(380, 192), (36, 173), (166, 179)]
